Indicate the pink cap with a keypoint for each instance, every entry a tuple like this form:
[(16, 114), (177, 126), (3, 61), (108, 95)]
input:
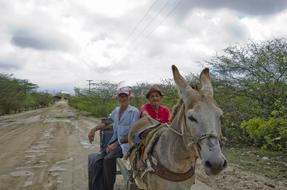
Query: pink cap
[(124, 90)]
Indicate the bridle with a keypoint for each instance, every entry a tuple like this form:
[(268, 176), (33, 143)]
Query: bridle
[(194, 140), (154, 164)]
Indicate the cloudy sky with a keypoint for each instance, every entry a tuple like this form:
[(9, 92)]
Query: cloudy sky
[(59, 44)]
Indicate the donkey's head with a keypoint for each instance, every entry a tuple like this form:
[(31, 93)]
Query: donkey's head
[(201, 127)]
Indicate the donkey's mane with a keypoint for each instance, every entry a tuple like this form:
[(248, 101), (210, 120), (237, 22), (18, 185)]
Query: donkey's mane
[(176, 108)]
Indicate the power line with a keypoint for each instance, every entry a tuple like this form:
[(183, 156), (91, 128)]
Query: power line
[(139, 33), (142, 19), (149, 23), (164, 19), (158, 14)]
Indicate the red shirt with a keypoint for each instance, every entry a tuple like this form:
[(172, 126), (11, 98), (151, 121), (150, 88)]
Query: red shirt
[(163, 114)]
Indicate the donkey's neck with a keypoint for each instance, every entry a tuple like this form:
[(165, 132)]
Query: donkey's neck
[(173, 152)]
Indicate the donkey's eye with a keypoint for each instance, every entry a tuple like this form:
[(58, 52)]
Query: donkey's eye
[(191, 118)]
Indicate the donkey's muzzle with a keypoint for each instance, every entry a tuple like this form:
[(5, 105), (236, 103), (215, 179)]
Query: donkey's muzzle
[(215, 166)]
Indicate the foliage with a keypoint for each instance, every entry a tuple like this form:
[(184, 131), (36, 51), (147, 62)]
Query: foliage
[(170, 93), (270, 133), (93, 101), (250, 84), (264, 132), (17, 95), (257, 71), (93, 104)]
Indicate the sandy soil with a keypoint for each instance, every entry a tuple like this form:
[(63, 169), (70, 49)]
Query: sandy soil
[(48, 149)]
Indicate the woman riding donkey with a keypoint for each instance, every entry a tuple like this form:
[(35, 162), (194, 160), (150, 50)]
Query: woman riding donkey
[(152, 112), (153, 108)]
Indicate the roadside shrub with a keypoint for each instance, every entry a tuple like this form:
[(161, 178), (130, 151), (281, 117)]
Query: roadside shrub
[(19, 95), (93, 104)]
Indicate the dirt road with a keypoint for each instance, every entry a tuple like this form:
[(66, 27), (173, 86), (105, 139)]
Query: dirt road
[(48, 149)]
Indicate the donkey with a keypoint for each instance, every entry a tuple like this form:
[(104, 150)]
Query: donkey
[(168, 160)]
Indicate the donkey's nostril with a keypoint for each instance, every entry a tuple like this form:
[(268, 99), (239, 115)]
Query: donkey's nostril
[(224, 164), (208, 164)]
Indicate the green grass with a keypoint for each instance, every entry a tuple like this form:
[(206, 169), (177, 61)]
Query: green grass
[(264, 162)]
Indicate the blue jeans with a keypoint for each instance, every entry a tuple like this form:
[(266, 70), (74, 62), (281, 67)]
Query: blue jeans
[(102, 169)]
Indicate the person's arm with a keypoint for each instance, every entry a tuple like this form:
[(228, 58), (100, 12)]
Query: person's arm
[(112, 146), (100, 126), (124, 140), (91, 134)]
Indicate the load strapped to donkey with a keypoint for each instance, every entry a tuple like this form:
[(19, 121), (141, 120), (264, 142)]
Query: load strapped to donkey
[(165, 157)]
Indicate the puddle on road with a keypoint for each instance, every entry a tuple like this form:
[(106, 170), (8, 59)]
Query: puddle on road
[(24, 173), (87, 145), (35, 151), (30, 167), (28, 183), (54, 120), (57, 169), (40, 146), (61, 118), (30, 120), (71, 117), (21, 173), (64, 161), (20, 121)]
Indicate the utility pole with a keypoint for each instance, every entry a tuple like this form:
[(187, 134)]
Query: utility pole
[(89, 85)]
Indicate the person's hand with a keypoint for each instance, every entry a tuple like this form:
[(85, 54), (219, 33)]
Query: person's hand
[(112, 147), (145, 113), (124, 140), (91, 135)]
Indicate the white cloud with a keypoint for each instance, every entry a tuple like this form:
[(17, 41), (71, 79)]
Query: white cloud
[(60, 44), (267, 28)]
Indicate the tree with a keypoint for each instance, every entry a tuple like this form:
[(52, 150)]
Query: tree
[(249, 81), (18, 94), (257, 71)]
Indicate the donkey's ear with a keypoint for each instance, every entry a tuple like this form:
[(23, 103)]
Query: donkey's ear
[(184, 89), (206, 86), (179, 80)]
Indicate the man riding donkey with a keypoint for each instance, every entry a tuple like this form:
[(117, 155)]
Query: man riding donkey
[(102, 166)]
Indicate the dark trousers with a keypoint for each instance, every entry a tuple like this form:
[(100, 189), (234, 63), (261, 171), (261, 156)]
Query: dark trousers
[(102, 169)]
